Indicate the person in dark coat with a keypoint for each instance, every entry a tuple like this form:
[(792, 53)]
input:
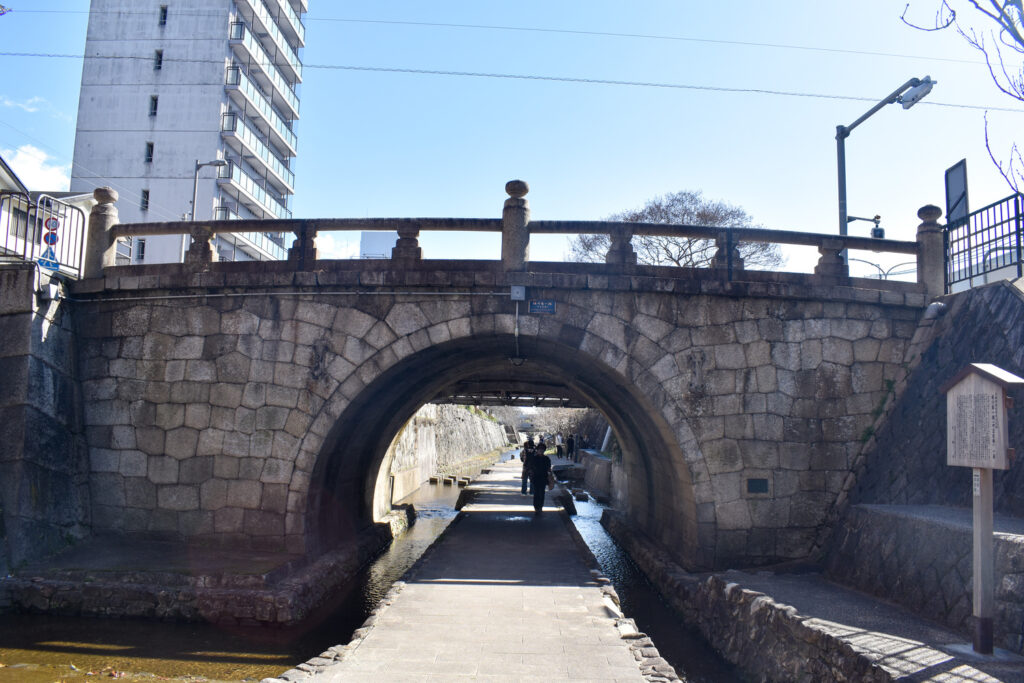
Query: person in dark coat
[(539, 470), (526, 454)]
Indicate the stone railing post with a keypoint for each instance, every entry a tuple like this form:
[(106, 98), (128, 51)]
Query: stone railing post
[(200, 253), (303, 250), (515, 227), (100, 247), (408, 244), (931, 251), (620, 247), (727, 257), (831, 262)]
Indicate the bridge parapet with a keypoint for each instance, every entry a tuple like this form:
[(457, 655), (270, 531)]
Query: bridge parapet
[(516, 229)]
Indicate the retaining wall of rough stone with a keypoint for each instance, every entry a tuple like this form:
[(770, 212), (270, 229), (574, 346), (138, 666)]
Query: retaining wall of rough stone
[(439, 439), (283, 596), (921, 558), (905, 456), (44, 486), (766, 640)]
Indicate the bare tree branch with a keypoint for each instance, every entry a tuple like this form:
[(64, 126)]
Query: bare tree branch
[(681, 208)]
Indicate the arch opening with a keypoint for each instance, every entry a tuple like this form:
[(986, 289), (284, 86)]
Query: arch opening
[(658, 495)]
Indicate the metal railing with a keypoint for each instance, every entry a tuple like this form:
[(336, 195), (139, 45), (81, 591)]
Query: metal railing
[(237, 78), (45, 230), (985, 245)]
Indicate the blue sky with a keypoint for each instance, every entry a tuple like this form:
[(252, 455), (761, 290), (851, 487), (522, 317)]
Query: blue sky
[(380, 143)]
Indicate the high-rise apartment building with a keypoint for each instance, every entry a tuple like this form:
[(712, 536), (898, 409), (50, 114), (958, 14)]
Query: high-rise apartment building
[(175, 90)]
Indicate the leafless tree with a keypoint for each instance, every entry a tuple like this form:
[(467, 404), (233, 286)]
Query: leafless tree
[(1001, 40), (680, 208)]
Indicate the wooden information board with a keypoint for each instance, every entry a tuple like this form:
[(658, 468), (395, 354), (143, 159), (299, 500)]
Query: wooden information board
[(976, 416)]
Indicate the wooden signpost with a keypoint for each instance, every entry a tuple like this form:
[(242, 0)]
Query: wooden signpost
[(976, 437)]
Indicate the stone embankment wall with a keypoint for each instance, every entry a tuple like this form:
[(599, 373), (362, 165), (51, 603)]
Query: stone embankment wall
[(905, 461), (439, 439), (766, 640), (44, 490), (921, 558)]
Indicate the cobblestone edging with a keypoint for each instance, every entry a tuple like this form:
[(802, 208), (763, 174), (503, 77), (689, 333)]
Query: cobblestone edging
[(217, 599), (920, 557), (766, 640), (652, 666)]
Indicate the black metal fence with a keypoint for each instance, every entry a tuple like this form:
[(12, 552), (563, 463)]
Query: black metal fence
[(985, 245), (42, 229)]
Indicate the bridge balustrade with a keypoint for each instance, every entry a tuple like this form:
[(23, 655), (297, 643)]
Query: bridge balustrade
[(516, 227)]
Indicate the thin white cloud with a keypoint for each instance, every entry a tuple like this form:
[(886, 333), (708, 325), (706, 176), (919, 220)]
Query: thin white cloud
[(36, 169), (329, 246), (31, 105)]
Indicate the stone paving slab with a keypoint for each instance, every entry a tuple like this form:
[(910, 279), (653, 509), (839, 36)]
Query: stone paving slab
[(504, 595)]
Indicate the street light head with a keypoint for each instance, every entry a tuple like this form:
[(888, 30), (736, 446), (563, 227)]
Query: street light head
[(917, 93)]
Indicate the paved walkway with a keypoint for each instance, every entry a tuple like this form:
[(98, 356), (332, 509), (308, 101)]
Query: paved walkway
[(504, 595)]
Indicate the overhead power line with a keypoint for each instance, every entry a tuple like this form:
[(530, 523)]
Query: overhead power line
[(535, 77), (563, 31)]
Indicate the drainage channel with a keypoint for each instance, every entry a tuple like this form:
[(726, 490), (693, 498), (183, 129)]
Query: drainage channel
[(43, 649), (687, 651)]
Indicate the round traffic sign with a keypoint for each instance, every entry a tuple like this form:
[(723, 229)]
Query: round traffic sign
[(52, 223), (51, 238)]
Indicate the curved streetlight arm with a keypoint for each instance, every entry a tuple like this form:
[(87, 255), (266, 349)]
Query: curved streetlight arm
[(891, 98), (920, 86)]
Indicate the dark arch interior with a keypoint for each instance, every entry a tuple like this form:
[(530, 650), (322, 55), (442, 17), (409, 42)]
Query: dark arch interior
[(659, 493)]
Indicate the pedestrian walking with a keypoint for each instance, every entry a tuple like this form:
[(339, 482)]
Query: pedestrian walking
[(559, 451), (570, 447), (540, 476), (526, 454)]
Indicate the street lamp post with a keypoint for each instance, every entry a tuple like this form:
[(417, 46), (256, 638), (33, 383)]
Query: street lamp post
[(195, 181), (908, 94)]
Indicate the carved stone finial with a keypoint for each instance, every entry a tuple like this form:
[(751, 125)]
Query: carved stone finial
[(929, 213), (517, 188), (105, 195)]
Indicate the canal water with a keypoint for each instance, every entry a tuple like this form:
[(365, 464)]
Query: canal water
[(44, 649)]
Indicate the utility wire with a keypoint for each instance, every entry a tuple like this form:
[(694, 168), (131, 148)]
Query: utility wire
[(537, 29), (534, 77)]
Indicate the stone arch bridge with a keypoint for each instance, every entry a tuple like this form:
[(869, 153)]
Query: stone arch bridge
[(253, 404)]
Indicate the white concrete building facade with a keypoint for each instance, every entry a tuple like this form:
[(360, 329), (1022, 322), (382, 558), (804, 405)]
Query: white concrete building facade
[(169, 84)]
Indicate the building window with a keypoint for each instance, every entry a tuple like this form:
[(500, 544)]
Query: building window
[(140, 249), (144, 204), (163, 15), (158, 60), (149, 152), (153, 102)]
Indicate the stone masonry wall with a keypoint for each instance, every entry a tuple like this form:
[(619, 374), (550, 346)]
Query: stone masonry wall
[(766, 640), (437, 440), (920, 557), (906, 461), (206, 416), (43, 466)]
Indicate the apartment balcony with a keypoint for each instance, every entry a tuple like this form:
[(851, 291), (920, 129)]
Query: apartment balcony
[(265, 27), (259, 246), (245, 93), (250, 51), (244, 139), (291, 22), (247, 190)]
